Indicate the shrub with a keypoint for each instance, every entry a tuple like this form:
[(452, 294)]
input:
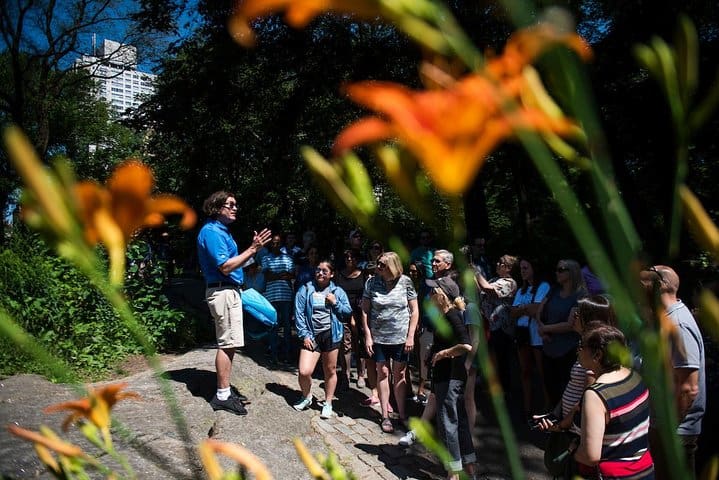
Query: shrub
[(57, 305)]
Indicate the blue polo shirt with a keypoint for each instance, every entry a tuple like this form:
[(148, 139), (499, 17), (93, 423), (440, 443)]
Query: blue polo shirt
[(215, 246)]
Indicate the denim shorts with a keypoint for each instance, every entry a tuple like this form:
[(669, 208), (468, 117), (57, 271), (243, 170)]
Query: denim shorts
[(382, 353)]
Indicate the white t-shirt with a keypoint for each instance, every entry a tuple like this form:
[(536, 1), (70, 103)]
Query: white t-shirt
[(525, 299)]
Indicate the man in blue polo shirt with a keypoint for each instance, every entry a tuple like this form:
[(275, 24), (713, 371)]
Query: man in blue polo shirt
[(221, 265), (686, 346)]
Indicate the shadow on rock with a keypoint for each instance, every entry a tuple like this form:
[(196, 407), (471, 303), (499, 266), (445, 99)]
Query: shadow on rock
[(290, 395), (200, 383), (403, 462)]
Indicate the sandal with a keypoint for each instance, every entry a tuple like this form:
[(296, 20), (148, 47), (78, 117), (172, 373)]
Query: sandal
[(387, 426)]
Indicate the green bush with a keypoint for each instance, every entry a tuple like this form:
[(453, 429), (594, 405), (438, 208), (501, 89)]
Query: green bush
[(62, 310)]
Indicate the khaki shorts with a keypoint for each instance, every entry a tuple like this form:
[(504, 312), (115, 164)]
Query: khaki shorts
[(226, 309)]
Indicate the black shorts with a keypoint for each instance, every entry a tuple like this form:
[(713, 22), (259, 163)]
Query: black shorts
[(521, 336), (323, 342)]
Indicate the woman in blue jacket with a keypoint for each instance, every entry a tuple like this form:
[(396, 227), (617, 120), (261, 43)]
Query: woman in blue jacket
[(320, 306)]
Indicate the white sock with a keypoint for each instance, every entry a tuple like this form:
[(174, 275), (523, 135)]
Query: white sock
[(223, 393)]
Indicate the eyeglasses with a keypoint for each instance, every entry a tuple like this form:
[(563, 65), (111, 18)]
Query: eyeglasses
[(230, 206), (562, 269), (323, 271), (381, 265)]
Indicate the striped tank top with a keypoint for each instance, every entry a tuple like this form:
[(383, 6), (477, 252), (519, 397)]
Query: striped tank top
[(625, 447)]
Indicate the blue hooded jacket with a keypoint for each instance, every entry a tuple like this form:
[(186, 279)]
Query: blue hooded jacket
[(303, 311)]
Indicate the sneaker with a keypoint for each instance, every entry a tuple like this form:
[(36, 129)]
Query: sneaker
[(408, 439), (303, 404), (232, 404), (326, 411)]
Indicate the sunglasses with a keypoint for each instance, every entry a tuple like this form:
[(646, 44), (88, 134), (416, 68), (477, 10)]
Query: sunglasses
[(659, 274), (381, 265), (230, 206), (436, 260)]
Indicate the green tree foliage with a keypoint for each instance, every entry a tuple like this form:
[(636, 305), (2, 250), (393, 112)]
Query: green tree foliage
[(56, 304), (227, 117)]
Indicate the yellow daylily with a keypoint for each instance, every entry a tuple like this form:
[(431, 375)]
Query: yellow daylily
[(298, 13), (95, 407), (242, 456), (452, 130), (112, 215)]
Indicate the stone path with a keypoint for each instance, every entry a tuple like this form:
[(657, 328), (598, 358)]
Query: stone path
[(157, 450)]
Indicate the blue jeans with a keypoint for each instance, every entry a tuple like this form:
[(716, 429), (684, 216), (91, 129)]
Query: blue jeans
[(284, 314), (453, 424)]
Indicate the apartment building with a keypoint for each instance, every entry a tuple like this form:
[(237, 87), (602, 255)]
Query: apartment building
[(114, 67)]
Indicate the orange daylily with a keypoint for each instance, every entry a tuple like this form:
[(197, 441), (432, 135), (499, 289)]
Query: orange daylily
[(298, 13), (95, 407), (45, 443), (452, 130), (113, 214), (242, 456), (525, 45), (48, 440)]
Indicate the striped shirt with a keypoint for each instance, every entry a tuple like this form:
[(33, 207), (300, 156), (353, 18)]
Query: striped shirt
[(573, 391), (625, 446), (278, 290)]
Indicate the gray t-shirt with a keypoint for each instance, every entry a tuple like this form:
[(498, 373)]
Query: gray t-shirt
[(321, 319), (389, 309), (691, 356)]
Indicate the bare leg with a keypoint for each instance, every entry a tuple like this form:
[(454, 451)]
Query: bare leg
[(525, 375), (329, 365), (383, 387), (408, 381), (372, 376), (223, 366), (308, 362), (540, 368), (346, 363), (400, 387)]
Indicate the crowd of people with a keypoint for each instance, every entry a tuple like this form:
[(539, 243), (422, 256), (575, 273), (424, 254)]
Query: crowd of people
[(357, 308)]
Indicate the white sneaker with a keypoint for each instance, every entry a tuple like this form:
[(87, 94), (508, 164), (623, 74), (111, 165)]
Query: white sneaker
[(326, 411), (302, 404), (408, 439)]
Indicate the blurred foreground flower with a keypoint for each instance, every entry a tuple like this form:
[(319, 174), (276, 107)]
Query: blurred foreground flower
[(242, 456), (109, 215), (298, 13), (452, 130), (113, 214), (47, 443), (95, 407)]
